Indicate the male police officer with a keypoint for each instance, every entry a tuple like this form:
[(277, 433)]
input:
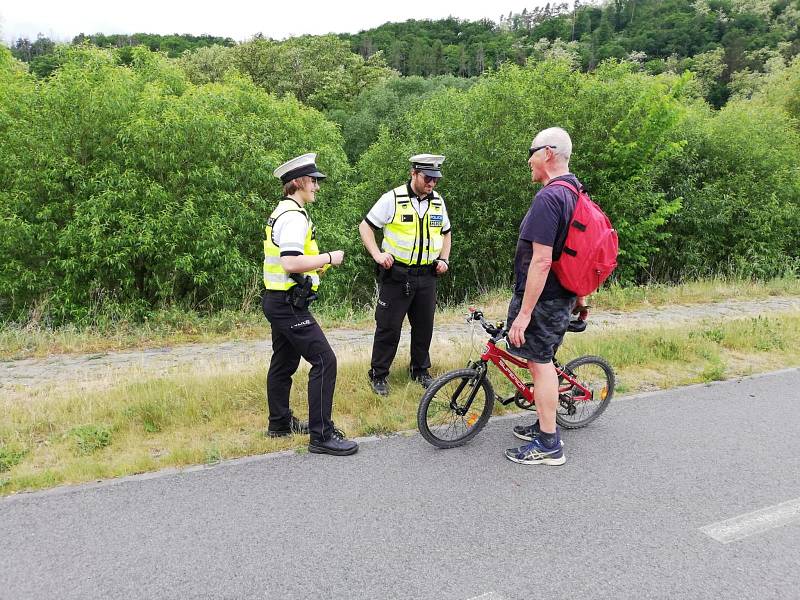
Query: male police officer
[(415, 249), (292, 266)]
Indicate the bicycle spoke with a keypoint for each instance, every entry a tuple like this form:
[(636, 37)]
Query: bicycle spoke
[(594, 374), (442, 416)]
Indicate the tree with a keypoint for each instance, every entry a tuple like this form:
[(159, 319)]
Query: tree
[(740, 207), (320, 71), (382, 104), (207, 65), (130, 188), (623, 126)]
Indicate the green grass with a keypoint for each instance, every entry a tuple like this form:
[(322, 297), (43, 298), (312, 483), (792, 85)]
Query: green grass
[(615, 297), (175, 326), (186, 419)]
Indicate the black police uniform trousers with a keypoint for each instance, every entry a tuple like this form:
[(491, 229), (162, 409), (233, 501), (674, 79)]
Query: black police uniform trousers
[(296, 333), (404, 291)]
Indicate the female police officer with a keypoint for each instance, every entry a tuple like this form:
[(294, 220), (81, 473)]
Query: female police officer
[(292, 266)]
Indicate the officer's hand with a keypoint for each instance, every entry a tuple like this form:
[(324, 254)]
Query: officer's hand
[(337, 256), (441, 267), (385, 260), (516, 335)]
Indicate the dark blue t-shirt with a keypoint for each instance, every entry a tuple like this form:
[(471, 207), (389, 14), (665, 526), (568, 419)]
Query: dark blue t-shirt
[(545, 223)]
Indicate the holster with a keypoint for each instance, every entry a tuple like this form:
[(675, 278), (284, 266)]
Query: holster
[(398, 273), (301, 295)]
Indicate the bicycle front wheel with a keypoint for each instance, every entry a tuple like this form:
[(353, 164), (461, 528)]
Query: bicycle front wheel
[(577, 407), (455, 407)]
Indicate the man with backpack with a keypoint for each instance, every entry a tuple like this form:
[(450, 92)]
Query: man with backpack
[(539, 312)]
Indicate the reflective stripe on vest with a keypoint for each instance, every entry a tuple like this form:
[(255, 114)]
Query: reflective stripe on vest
[(409, 238), (275, 277)]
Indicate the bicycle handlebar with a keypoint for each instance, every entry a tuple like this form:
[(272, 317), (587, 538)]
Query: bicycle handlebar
[(499, 331)]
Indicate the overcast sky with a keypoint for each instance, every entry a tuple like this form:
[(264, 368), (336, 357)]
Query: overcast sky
[(61, 20)]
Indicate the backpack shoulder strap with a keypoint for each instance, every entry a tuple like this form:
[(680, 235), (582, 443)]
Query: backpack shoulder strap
[(566, 184)]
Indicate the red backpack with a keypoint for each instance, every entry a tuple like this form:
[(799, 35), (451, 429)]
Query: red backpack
[(591, 248)]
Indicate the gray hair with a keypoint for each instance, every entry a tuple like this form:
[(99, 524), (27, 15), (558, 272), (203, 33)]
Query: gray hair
[(556, 138)]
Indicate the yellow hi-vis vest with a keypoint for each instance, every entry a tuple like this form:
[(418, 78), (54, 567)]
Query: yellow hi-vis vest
[(410, 239), (275, 278)]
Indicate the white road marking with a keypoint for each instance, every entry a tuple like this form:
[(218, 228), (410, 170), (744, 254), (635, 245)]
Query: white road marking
[(487, 596), (754, 522)]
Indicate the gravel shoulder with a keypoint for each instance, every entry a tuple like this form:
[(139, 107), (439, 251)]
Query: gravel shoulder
[(25, 377)]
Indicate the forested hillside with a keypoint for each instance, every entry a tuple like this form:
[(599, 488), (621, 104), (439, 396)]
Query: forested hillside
[(716, 38), (135, 172)]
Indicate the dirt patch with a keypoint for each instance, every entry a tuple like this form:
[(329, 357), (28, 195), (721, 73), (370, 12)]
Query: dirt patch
[(34, 377)]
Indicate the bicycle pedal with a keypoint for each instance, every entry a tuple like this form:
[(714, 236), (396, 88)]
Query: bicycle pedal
[(505, 401)]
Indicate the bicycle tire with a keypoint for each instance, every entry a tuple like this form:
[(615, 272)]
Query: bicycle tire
[(454, 385), (602, 383)]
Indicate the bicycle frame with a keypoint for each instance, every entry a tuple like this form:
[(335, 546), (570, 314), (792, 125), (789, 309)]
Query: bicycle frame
[(498, 356)]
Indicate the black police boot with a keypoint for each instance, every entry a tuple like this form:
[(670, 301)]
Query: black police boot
[(336, 445), (379, 385), (295, 426), (423, 378)]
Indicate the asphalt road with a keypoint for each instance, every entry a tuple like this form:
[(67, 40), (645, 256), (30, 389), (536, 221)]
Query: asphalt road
[(691, 493)]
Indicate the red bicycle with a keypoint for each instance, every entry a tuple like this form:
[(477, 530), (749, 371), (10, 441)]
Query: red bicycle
[(453, 410)]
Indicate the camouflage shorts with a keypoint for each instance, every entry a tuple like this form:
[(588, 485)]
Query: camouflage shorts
[(546, 330)]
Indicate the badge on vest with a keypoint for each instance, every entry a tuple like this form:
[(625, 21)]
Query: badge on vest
[(408, 219), (436, 220)]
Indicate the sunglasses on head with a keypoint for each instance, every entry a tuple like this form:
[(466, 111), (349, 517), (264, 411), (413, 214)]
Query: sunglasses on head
[(535, 149)]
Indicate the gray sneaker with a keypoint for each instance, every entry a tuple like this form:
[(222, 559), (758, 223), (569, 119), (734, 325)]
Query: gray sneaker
[(536, 453), (528, 432)]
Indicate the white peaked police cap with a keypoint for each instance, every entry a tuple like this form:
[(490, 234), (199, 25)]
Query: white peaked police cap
[(429, 164), (300, 166)]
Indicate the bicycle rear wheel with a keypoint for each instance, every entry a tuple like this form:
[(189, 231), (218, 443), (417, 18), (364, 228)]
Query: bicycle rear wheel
[(452, 411), (577, 408)]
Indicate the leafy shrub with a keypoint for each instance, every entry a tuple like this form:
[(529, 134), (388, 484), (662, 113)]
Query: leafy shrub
[(384, 103), (131, 186), (621, 123), (89, 438), (10, 456), (740, 183)]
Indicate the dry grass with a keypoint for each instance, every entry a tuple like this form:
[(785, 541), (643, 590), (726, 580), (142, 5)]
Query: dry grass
[(70, 436), (175, 326)]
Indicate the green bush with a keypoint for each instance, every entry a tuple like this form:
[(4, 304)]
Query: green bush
[(89, 438), (129, 186), (126, 187), (10, 456), (384, 103), (621, 124), (740, 183)]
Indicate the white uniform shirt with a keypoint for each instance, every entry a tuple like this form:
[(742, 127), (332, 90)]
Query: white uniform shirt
[(289, 232), (382, 213)]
